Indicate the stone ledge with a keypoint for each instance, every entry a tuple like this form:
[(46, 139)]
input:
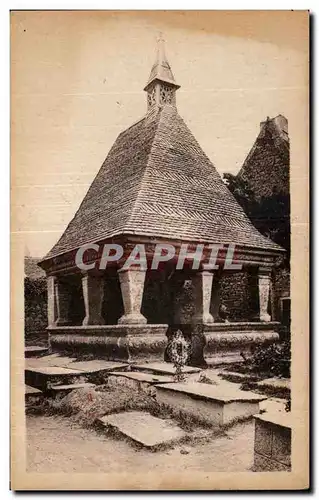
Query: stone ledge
[(127, 348), (109, 330), (240, 326)]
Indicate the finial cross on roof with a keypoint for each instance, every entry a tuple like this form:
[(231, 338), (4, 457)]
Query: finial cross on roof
[(161, 48)]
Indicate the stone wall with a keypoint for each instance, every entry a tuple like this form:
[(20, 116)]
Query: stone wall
[(239, 292), (272, 446)]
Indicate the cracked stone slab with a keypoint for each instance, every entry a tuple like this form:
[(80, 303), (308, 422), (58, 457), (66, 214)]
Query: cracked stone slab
[(143, 428)]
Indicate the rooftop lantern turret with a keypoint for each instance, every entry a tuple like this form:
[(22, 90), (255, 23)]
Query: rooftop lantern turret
[(161, 86)]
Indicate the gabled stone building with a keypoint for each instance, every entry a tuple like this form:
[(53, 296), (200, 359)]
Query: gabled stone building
[(156, 185), (266, 171), (266, 168)]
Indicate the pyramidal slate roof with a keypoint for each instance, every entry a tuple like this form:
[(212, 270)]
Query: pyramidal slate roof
[(157, 181)]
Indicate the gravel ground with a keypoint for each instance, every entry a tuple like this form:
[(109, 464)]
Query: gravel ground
[(57, 444)]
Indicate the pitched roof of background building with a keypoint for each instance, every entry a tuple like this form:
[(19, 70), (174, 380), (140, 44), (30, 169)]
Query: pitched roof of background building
[(157, 181), (266, 167)]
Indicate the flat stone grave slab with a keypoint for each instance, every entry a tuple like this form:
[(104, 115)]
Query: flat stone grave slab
[(164, 368), (32, 395), (97, 365), (149, 378), (275, 384), (34, 350), (56, 370), (31, 390), (143, 428), (51, 360), (207, 403), (137, 380), (70, 387), (42, 377)]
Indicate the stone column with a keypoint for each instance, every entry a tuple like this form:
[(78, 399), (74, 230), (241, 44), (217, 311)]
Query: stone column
[(52, 309), (202, 283), (215, 298), (264, 280), (62, 294), (132, 288), (93, 292)]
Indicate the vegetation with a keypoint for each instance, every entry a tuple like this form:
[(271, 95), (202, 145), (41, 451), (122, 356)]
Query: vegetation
[(35, 309), (270, 215), (272, 360)]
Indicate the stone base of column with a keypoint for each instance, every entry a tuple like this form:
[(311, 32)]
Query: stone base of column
[(132, 319), (203, 319)]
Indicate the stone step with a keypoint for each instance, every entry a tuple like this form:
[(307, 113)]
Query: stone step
[(163, 368), (217, 406), (34, 350), (143, 428)]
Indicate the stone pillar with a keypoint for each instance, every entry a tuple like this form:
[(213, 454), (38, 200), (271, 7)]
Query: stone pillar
[(52, 309), (264, 281), (202, 283), (93, 291), (132, 288), (62, 294), (215, 299)]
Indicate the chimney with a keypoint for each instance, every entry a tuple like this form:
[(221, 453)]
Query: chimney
[(282, 123)]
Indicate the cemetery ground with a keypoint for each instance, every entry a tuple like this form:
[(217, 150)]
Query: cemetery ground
[(64, 433)]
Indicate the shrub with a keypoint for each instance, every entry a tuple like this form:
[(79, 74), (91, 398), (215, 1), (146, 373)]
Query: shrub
[(273, 360), (35, 306)]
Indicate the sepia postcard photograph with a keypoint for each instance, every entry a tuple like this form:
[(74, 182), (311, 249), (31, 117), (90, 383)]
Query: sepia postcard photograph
[(159, 250)]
